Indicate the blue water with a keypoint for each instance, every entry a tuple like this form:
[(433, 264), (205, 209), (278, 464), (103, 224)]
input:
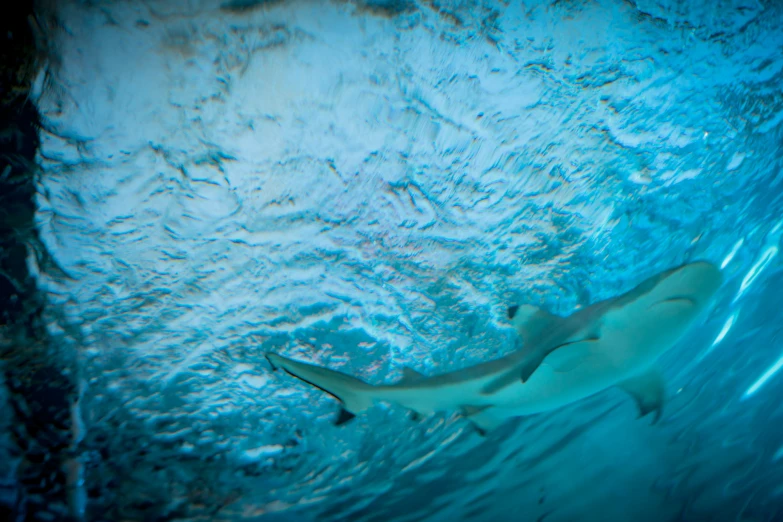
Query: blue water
[(367, 186)]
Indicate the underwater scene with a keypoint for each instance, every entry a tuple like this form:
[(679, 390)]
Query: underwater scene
[(399, 260)]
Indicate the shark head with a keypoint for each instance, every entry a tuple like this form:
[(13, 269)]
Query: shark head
[(636, 327), (651, 317), (696, 282)]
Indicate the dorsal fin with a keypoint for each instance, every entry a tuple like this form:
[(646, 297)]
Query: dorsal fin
[(530, 321), (484, 418), (409, 375), (537, 329)]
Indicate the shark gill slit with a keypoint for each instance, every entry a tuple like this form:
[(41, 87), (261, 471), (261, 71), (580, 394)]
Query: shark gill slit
[(675, 300)]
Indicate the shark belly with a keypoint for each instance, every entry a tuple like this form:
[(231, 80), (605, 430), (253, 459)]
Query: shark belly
[(549, 389), (553, 385)]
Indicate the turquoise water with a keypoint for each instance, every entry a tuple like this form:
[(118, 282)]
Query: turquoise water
[(369, 186)]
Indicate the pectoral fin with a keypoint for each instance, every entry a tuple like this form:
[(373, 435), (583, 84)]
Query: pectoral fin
[(533, 359), (564, 361), (648, 391), (483, 418)]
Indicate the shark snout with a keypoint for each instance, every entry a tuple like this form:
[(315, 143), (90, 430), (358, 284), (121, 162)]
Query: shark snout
[(694, 283)]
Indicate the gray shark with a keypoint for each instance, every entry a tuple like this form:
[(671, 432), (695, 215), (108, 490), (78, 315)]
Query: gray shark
[(614, 342)]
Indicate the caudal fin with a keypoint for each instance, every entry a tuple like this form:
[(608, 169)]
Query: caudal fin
[(354, 394)]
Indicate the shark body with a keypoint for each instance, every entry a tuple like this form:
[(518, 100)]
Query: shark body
[(614, 342)]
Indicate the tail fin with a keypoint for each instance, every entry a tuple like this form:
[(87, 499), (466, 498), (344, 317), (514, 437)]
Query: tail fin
[(354, 394)]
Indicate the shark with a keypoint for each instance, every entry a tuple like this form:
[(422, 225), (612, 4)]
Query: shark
[(613, 343)]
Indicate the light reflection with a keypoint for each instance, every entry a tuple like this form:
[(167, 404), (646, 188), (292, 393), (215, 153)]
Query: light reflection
[(722, 334), (733, 253), (768, 255), (726, 327), (764, 378)]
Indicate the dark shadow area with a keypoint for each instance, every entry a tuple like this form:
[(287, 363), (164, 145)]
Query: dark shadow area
[(35, 387)]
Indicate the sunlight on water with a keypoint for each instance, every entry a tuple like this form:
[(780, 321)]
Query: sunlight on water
[(756, 386), (726, 328), (768, 255), (368, 186), (733, 253), (722, 334)]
